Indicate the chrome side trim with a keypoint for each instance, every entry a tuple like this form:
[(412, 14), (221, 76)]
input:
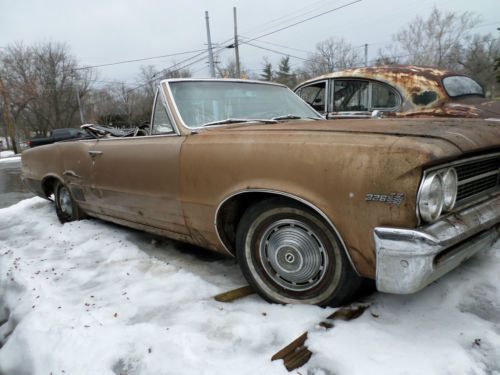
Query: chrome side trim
[(288, 195)]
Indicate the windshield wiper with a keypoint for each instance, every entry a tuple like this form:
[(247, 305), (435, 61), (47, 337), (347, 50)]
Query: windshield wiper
[(239, 120), (293, 117)]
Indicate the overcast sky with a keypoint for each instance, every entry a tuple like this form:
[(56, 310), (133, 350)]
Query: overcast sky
[(104, 31)]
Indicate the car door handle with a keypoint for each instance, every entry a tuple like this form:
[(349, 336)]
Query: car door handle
[(71, 174), (95, 153)]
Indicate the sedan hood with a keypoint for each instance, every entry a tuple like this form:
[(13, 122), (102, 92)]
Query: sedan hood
[(467, 135)]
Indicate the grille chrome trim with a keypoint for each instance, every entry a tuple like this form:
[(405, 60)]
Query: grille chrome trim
[(486, 165), (478, 177)]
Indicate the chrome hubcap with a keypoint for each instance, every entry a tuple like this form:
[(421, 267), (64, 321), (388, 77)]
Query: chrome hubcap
[(292, 255), (65, 201)]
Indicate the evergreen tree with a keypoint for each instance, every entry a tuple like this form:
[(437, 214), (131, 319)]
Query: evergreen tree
[(284, 74), (267, 72)]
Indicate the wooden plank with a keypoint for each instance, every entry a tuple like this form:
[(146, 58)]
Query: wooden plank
[(234, 294), (296, 354), (290, 348)]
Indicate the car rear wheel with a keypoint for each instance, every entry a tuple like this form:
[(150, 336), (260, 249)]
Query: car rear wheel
[(290, 255), (66, 207)]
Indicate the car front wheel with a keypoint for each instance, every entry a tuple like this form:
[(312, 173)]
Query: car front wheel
[(66, 207), (290, 255)]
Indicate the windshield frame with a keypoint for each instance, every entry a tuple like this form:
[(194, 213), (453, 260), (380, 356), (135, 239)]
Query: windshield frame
[(461, 95), (178, 115)]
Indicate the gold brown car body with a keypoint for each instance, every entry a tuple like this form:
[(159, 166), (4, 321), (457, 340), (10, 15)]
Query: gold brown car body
[(360, 178)]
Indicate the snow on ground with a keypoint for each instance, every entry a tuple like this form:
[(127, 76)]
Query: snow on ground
[(93, 298), (8, 156)]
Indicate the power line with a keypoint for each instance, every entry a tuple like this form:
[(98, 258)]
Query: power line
[(169, 69), (275, 51), (278, 45), (137, 60), (300, 12), (305, 20)]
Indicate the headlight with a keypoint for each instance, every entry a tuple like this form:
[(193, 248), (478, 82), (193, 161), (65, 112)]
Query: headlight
[(450, 187), (431, 200)]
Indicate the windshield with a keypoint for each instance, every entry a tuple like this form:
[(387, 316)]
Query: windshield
[(206, 102), (461, 85)]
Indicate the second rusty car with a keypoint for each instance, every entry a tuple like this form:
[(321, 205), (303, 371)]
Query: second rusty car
[(398, 91), (308, 207)]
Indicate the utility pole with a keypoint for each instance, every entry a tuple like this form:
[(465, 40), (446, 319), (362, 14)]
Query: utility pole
[(366, 54), (79, 105), (210, 52), (236, 48), (6, 117)]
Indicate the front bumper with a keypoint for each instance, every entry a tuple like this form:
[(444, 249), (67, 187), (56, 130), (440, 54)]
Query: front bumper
[(410, 259)]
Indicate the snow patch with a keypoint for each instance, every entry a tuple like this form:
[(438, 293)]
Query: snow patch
[(92, 297)]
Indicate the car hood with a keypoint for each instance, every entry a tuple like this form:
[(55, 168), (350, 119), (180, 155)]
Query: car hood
[(468, 135)]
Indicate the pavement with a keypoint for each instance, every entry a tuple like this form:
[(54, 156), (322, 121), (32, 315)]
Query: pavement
[(12, 189)]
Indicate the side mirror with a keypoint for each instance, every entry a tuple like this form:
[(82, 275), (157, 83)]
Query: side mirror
[(376, 114)]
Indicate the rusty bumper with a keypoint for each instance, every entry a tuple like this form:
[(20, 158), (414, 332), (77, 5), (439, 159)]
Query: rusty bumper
[(410, 259)]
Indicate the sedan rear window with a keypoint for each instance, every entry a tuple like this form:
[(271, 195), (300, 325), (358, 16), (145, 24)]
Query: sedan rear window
[(461, 85)]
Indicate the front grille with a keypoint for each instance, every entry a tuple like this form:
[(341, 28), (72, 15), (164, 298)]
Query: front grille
[(477, 177)]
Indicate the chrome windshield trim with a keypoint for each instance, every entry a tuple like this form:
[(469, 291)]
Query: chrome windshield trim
[(167, 82)]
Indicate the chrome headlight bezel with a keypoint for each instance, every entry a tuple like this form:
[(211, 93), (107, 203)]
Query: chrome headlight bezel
[(444, 179), (431, 189), (450, 188)]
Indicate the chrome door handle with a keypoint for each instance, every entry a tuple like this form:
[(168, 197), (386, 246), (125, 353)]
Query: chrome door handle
[(71, 174), (95, 153)]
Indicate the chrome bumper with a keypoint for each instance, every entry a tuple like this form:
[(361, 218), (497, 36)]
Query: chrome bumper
[(410, 259)]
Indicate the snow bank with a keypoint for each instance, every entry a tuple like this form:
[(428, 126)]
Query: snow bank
[(10, 159), (6, 154), (94, 298)]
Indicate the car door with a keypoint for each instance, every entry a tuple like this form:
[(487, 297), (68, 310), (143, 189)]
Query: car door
[(136, 179)]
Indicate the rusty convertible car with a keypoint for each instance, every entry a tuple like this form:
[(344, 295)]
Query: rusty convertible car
[(309, 207), (400, 91)]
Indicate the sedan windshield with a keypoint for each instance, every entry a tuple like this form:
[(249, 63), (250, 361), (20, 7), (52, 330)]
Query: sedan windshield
[(212, 102), (461, 85)]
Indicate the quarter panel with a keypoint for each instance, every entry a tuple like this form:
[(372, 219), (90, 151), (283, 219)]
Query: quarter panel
[(332, 171)]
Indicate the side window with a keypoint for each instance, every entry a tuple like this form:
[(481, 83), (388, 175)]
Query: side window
[(383, 96), (315, 95), (161, 121), (350, 95)]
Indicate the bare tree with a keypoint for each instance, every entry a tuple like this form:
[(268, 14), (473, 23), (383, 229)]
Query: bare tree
[(332, 54), (477, 59), (436, 40), (43, 81), (228, 70), (122, 105)]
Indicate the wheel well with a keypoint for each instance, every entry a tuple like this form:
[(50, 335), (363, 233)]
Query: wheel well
[(48, 185), (231, 211)]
